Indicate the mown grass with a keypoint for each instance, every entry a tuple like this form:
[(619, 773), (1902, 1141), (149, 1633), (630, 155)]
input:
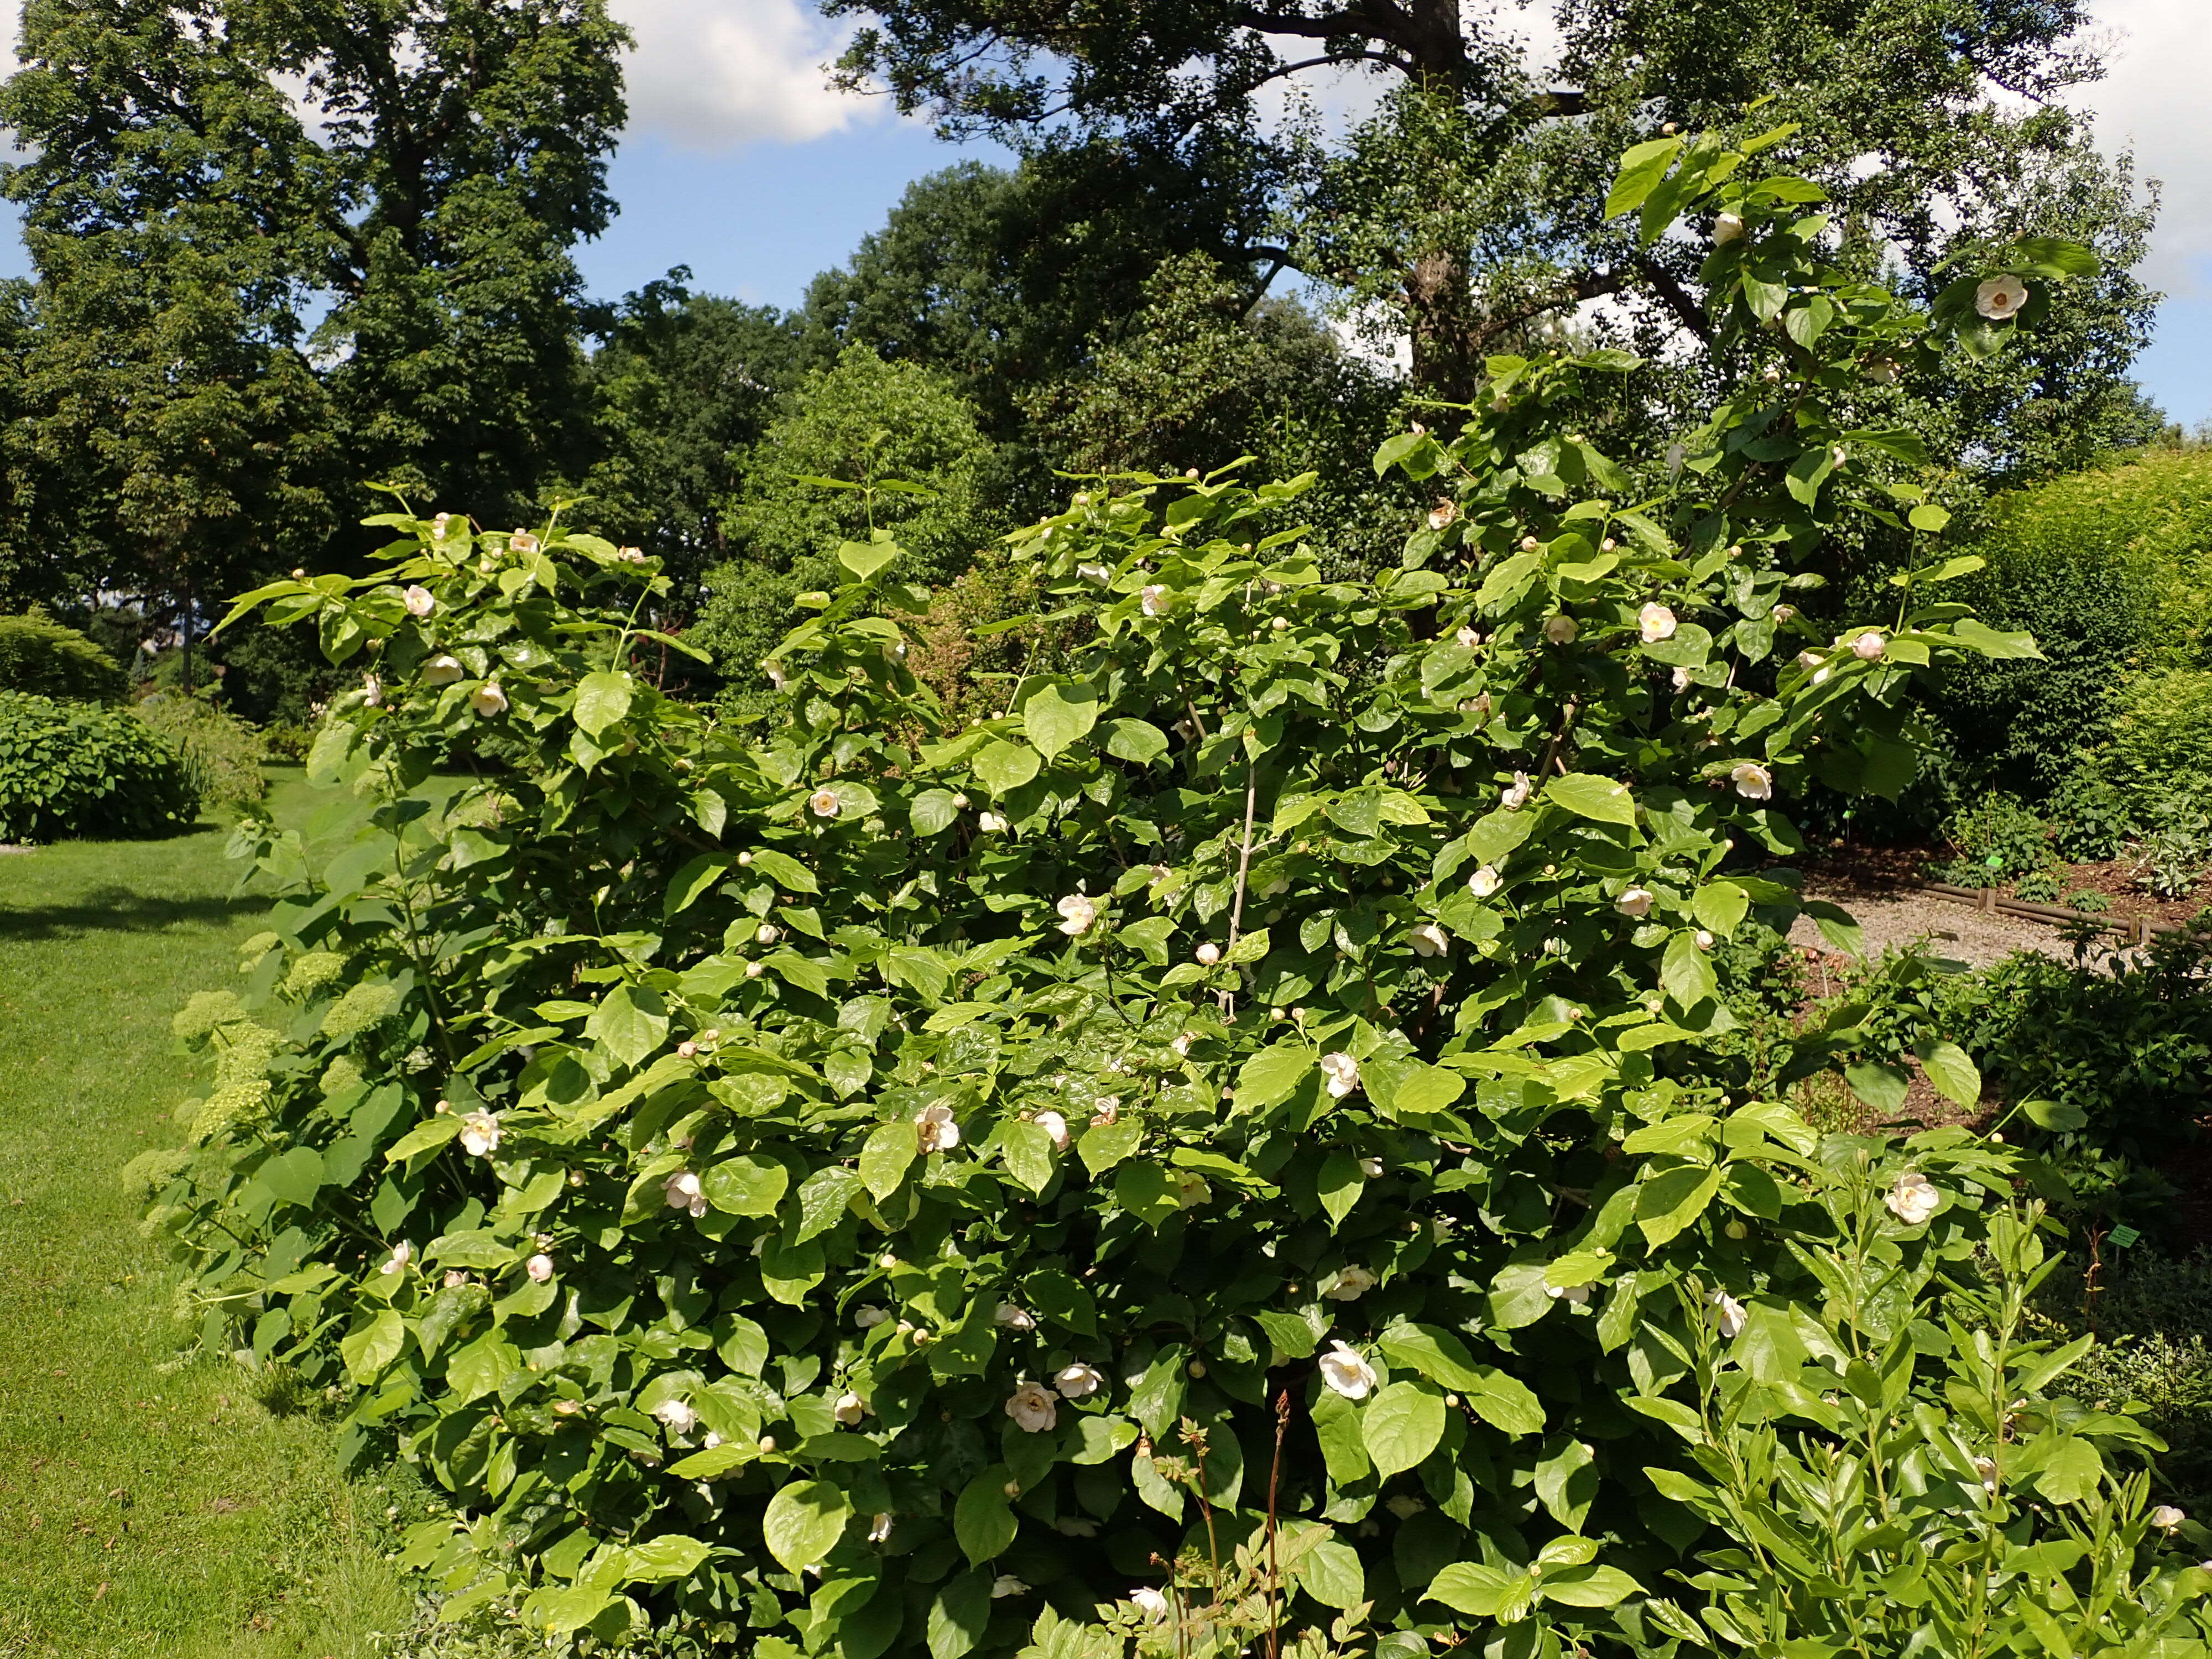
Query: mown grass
[(151, 1508)]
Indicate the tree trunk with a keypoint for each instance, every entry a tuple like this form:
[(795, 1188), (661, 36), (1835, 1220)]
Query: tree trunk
[(184, 635), (1439, 301)]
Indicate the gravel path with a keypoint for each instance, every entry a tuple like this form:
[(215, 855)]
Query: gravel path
[(1977, 937)]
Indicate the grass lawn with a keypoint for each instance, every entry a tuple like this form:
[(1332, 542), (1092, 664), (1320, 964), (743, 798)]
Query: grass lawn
[(152, 1509)]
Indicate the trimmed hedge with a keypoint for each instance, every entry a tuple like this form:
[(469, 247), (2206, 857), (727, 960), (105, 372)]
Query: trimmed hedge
[(82, 771)]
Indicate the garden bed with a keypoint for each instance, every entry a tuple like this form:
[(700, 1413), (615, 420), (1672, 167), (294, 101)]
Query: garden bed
[(1856, 871)]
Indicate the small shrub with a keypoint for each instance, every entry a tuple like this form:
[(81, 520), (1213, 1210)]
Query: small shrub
[(2091, 817), (2153, 1317), (1996, 839), (2089, 901), (2042, 886), (2161, 749), (39, 655), (288, 742), (84, 771), (221, 753)]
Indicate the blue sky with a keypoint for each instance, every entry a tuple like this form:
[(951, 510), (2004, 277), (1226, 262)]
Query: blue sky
[(742, 164)]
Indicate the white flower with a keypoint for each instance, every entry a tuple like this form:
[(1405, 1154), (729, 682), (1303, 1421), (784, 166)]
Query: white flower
[(934, 1131), (1657, 623), (2001, 297), (1370, 1167), (1343, 1074), (1108, 1111), (776, 677), (1636, 901), (1076, 914), (1782, 613), (522, 542), (1349, 1284), (849, 1409), (480, 1133), (1681, 678), (880, 1528), (2165, 1517), (1676, 451), (1986, 1467), (1561, 629), (1485, 881), (755, 969), (677, 1416), (824, 803), (1076, 1526), (371, 692), (1077, 1382), (1704, 939), (1577, 1294), (1346, 1373), (1468, 637), (1154, 597), (1729, 1316), (867, 1316), (766, 933), (1429, 939), (682, 1192), (1014, 1318), (1727, 227), (990, 823), (1809, 661), (488, 700), (1443, 512), (1191, 1189), (1207, 954), (442, 671), (439, 526), (1150, 1602), (1097, 574), (1515, 795), (539, 1267), (1882, 371), (1055, 1127), (1869, 645), (1753, 782), (1033, 1408), (1006, 1584), (455, 1279), (402, 1254), (1913, 1200), (419, 601), (1404, 1506)]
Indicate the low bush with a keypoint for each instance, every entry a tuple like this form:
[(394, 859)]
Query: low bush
[(223, 755), (1215, 1156), (74, 771), (1995, 840), (2161, 754), (40, 656), (2151, 1316)]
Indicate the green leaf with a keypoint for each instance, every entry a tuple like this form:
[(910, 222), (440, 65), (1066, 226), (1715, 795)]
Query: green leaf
[(1401, 1425), (630, 1023), (931, 812), (1991, 643), (1139, 741), (665, 1559), (368, 1351), (1600, 800), (823, 1199), (1566, 1482), (1686, 974), (1057, 713), (959, 1614), (984, 1521), (1956, 1078), (429, 1133), (1641, 169), (602, 699), (1331, 1573), (1589, 1587), (1928, 517), (1027, 1149), (294, 1176), (747, 1185), (864, 559), (1671, 1201), (693, 879), (1882, 1086), (885, 1156), (1003, 766), (1433, 1351), (1477, 1591), (2071, 1472), (2054, 1115), (1339, 1184), (1273, 1075), (1105, 1145), (1720, 906), (804, 1521), (785, 871)]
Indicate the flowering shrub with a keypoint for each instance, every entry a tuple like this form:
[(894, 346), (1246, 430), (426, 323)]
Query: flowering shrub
[(1212, 1153)]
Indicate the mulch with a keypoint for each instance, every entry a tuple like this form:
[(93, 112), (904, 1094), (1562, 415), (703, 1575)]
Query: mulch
[(1882, 871)]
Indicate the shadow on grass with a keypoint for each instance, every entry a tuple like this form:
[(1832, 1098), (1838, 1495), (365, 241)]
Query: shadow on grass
[(120, 910)]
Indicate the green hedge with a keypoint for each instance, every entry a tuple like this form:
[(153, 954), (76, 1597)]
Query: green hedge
[(2112, 571), (80, 771), (37, 654), (223, 753)]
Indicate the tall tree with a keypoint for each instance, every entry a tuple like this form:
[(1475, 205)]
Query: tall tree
[(1467, 205), (205, 180)]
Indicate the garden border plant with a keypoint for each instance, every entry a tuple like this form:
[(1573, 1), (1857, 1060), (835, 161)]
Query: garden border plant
[(1213, 1155)]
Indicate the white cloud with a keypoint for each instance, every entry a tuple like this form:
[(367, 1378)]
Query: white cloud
[(2152, 97), (713, 75)]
